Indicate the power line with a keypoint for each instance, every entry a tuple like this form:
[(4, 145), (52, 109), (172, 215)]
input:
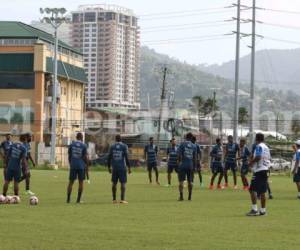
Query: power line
[(281, 25), (282, 40), (187, 15), (281, 11), (188, 41), (181, 25), (186, 28), (180, 12)]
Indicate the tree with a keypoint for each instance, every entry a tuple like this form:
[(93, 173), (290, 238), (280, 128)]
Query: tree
[(295, 126), (243, 117), (198, 105), (17, 118)]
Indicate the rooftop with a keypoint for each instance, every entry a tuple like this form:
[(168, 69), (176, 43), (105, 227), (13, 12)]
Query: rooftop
[(106, 7), (13, 30)]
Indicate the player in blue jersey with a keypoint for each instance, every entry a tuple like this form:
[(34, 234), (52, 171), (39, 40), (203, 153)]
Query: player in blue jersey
[(16, 155), (244, 157), (187, 160), (78, 160), (172, 159), (216, 155), (150, 154), (232, 152), (5, 146), (118, 160), (296, 167), (26, 175), (197, 167)]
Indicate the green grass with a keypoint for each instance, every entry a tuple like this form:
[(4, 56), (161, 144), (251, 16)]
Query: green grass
[(152, 220)]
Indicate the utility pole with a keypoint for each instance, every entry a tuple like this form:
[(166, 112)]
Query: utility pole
[(55, 18), (162, 103), (252, 84), (237, 69)]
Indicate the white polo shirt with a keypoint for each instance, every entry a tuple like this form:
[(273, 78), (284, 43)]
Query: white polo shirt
[(263, 164)]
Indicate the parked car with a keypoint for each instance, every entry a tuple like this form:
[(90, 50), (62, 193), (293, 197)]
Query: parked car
[(280, 164)]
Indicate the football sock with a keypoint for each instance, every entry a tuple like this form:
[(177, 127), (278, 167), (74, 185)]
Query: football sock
[(79, 196), (122, 193), (254, 207), (69, 197), (263, 210), (114, 191)]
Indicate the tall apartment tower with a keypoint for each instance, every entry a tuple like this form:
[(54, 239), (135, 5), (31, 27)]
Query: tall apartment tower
[(108, 37)]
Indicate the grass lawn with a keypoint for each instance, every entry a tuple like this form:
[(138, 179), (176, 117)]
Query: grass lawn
[(153, 219)]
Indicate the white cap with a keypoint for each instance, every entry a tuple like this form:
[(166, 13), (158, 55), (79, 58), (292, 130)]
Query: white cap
[(297, 142)]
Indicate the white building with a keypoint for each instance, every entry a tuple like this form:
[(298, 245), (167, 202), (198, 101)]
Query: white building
[(108, 36)]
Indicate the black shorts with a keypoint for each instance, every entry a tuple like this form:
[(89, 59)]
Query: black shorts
[(217, 168), (119, 175), (297, 176), (231, 166), (171, 168), (151, 165), (13, 174), (77, 174), (259, 182), (185, 174)]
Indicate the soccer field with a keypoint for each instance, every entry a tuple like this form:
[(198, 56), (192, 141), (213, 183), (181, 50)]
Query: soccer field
[(153, 219)]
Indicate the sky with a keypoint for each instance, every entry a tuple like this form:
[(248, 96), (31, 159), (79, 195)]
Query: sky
[(194, 31)]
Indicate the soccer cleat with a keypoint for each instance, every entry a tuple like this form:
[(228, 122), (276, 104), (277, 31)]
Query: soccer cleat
[(226, 185), (235, 187), (253, 213), (167, 185), (157, 182), (220, 187), (114, 201), (123, 202), (246, 188), (262, 213), (180, 199), (211, 187), (28, 192)]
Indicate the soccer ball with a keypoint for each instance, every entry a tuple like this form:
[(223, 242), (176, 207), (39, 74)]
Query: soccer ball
[(15, 199), (8, 199), (33, 200), (2, 199)]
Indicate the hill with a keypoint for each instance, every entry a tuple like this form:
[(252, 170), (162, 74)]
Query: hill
[(187, 80), (276, 69)]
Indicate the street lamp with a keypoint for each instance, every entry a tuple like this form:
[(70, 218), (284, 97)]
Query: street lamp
[(55, 17)]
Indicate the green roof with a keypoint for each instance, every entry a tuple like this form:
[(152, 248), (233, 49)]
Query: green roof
[(67, 70), (13, 30)]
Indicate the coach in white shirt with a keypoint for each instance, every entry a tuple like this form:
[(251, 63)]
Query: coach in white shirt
[(260, 164)]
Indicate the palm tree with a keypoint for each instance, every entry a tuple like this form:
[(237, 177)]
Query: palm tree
[(198, 104), (243, 117)]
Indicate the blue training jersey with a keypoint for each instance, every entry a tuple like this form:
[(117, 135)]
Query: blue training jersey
[(77, 153), (172, 155), (187, 152), (118, 154), (216, 153), (232, 149), (5, 145), (245, 154), (151, 152), (16, 153)]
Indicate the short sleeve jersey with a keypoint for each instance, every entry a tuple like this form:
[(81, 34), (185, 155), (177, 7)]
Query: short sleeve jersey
[(187, 152), (232, 149), (77, 152), (217, 153), (245, 154), (16, 152), (5, 145), (172, 155), (151, 152), (118, 153)]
